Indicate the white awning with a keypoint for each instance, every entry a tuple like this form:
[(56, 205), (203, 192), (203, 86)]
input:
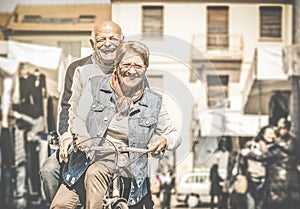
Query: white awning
[(229, 123), (39, 55), (266, 76), (48, 59), (9, 66)]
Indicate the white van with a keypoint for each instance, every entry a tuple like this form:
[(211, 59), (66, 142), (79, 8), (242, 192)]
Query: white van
[(194, 188)]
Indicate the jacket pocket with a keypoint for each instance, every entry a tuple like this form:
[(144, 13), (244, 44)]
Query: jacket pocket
[(147, 121), (97, 107)]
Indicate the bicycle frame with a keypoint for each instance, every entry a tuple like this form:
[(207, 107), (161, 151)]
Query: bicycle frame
[(111, 200)]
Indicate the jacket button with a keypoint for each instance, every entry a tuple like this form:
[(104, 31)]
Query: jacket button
[(147, 122), (112, 105), (105, 118)]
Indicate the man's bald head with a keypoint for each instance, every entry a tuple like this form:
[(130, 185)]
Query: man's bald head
[(106, 38), (107, 27)]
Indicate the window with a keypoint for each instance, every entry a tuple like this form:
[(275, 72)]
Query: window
[(217, 91), (32, 19), (270, 22), (217, 27), (86, 18), (198, 179), (152, 21), (57, 20), (191, 180)]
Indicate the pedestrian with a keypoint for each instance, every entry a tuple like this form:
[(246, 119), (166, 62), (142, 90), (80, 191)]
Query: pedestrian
[(106, 36), (131, 114), (216, 187), (256, 171), (166, 176), (14, 154), (281, 187)]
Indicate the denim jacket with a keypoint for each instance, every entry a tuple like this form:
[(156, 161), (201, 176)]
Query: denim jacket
[(142, 124)]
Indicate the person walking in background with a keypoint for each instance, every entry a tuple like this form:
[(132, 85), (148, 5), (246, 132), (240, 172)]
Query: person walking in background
[(166, 176), (256, 171), (216, 188), (281, 187)]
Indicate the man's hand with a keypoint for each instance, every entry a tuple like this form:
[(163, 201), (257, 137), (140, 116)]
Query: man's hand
[(64, 147), (157, 145)]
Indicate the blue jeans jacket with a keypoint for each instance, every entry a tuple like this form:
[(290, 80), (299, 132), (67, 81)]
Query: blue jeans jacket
[(142, 123)]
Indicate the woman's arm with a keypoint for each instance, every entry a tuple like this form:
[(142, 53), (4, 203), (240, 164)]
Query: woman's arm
[(167, 135), (268, 155)]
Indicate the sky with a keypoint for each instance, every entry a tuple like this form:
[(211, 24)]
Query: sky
[(9, 5)]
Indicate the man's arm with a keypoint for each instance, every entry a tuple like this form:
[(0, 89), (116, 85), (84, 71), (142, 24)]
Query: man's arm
[(68, 102), (68, 98), (79, 125)]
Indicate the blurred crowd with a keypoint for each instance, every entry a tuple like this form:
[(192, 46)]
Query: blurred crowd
[(263, 174)]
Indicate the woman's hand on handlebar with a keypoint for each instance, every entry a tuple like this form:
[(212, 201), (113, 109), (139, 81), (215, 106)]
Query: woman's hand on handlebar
[(157, 145)]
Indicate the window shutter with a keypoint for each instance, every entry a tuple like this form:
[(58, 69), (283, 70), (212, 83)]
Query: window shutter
[(217, 27), (152, 21), (217, 20), (270, 22)]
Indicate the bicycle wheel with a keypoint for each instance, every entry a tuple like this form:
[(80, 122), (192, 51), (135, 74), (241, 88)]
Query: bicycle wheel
[(120, 205)]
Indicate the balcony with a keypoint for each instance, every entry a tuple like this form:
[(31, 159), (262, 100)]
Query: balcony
[(265, 77), (223, 53), (217, 47)]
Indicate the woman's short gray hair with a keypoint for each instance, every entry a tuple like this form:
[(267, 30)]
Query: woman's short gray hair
[(135, 47)]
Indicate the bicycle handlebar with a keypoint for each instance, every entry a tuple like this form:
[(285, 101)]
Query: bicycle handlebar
[(117, 148), (120, 149)]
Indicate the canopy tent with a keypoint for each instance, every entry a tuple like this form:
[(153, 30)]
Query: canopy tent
[(8, 68), (48, 59), (230, 123), (261, 94), (267, 77)]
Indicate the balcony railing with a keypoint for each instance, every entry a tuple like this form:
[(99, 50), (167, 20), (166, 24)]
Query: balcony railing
[(217, 45), (217, 41)]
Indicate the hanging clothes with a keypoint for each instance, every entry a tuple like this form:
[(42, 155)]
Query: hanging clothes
[(32, 93)]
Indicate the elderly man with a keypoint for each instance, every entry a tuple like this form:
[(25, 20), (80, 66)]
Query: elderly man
[(106, 36)]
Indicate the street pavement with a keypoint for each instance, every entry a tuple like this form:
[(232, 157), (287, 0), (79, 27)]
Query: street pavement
[(175, 204)]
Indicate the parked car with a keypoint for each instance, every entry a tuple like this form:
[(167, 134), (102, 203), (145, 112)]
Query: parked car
[(193, 188)]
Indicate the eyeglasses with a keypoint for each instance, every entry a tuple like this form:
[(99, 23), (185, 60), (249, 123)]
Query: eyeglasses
[(128, 66), (101, 40)]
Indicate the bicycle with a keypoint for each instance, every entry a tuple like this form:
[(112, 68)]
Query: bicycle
[(115, 197)]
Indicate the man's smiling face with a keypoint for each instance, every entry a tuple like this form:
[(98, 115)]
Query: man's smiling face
[(108, 36)]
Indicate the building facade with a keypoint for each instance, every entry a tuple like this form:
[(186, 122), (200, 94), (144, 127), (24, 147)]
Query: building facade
[(215, 62), (233, 69)]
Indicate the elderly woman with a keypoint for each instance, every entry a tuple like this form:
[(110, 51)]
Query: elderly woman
[(124, 109)]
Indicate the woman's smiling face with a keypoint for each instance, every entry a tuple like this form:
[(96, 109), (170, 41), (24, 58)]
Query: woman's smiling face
[(131, 72)]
